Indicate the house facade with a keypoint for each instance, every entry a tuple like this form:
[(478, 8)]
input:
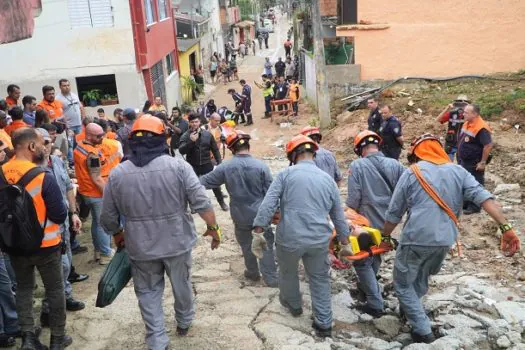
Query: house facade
[(124, 48), (434, 38)]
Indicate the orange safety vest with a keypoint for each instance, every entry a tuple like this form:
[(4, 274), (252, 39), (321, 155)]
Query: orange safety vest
[(81, 136), (111, 135), (14, 170), (86, 186), (109, 149)]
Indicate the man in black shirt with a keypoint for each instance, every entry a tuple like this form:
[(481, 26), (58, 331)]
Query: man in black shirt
[(198, 145), (280, 67), (374, 118), (179, 126)]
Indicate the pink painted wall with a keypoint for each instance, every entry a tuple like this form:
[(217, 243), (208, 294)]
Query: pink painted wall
[(439, 38)]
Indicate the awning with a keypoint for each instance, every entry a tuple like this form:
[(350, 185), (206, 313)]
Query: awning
[(244, 24)]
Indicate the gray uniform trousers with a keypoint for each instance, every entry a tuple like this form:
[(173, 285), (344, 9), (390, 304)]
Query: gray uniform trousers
[(366, 271), (317, 266), (148, 279), (412, 268), (49, 266), (266, 265), (67, 260)]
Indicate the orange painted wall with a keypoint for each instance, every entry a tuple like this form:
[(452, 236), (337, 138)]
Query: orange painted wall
[(439, 38)]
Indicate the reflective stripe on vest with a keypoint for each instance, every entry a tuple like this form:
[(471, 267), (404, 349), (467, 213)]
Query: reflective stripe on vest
[(14, 170)]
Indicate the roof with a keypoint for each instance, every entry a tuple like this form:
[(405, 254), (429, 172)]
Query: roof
[(245, 24), (187, 17), (184, 44)]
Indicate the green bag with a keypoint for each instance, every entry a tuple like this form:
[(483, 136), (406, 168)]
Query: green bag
[(114, 278)]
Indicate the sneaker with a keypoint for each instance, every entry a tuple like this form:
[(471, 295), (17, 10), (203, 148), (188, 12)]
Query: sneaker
[(322, 332), (79, 250), (105, 259), (74, 305), (182, 332), (295, 312), (252, 276), (427, 338), (77, 277), (368, 310)]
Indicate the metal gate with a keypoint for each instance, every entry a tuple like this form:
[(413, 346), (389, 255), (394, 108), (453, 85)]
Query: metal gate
[(157, 80)]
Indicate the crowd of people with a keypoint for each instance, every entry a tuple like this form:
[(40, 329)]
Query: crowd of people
[(142, 175)]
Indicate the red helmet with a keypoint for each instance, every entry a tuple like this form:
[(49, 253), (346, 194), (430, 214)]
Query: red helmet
[(148, 123), (298, 141), (236, 136), (310, 130), (365, 138)]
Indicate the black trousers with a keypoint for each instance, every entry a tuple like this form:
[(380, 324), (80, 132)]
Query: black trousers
[(478, 175), (205, 169)]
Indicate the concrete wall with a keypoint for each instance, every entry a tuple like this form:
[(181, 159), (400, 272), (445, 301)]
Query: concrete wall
[(173, 90), (342, 79), (310, 80), (439, 38)]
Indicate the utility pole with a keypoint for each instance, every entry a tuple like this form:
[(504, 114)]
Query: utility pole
[(323, 96)]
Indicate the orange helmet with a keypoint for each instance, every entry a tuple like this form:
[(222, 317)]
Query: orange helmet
[(310, 130), (236, 136), (416, 142), (148, 123), (364, 138), (296, 142)]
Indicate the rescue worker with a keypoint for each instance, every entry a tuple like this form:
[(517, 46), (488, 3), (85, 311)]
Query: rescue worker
[(30, 150), (239, 110), (374, 118), (324, 159), (128, 117), (307, 196), (247, 180), (246, 101), (453, 115), (474, 147), (371, 182), (198, 145), (55, 165), (159, 232), (91, 172), (391, 133), (430, 231), (111, 149)]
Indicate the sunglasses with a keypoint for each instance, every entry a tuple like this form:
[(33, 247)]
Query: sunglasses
[(99, 136)]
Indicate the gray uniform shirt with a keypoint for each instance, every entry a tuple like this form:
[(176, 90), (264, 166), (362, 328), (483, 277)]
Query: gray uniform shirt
[(58, 169), (71, 106), (427, 224), (307, 197), (247, 180), (154, 201), (368, 193), (325, 160)]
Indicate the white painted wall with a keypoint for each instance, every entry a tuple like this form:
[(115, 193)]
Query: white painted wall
[(310, 80), (56, 51)]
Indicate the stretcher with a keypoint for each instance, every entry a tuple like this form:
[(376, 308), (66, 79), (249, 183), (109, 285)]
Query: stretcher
[(359, 224)]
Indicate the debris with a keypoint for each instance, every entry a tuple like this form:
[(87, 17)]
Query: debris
[(388, 325)]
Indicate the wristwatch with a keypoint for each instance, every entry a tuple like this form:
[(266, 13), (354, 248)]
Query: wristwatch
[(505, 227)]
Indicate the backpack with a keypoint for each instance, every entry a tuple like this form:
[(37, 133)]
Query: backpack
[(20, 229)]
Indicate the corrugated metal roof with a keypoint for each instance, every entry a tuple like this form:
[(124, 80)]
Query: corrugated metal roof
[(184, 44)]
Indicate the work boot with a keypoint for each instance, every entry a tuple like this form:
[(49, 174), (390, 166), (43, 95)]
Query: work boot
[(7, 341), (59, 342), (250, 119), (252, 276), (322, 332), (182, 332), (74, 305), (31, 342), (224, 206), (427, 338), (295, 312), (368, 310)]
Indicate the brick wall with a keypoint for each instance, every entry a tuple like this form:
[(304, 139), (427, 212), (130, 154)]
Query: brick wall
[(328, 7)]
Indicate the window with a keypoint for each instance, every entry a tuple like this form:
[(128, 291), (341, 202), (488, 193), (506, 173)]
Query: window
[(170, 64), (163, 13), (150, 18), (157, 80), (97, 89), (90, 13)]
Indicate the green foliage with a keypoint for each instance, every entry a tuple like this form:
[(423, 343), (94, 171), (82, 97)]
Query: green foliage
[(91, 95)]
